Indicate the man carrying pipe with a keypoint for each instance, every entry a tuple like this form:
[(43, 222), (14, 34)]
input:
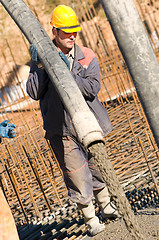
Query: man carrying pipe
[(8, 230), (81, 175)]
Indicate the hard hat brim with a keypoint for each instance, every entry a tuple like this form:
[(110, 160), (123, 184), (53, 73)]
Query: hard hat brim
[(70, 30)]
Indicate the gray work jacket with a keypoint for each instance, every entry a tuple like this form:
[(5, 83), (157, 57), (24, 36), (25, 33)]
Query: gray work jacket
[(86, 72)]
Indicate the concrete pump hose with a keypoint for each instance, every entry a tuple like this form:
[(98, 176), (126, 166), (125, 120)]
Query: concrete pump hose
[(86, 125)]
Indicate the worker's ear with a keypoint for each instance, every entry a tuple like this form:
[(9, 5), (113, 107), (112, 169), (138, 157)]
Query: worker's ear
[(54, 31)]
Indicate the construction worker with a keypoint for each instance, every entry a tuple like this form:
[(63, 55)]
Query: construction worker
[(81, 175), (8, 230)]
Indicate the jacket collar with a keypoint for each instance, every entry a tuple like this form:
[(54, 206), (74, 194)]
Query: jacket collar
[(78, 53)]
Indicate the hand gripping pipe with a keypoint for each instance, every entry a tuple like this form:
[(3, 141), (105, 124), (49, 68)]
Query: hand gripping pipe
[(85, 123)]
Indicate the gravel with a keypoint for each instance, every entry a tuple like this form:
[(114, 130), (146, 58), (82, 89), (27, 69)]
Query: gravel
[(148, 221)]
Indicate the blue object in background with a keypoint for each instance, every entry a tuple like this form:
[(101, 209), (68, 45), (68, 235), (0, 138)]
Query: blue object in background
[(7, 129)]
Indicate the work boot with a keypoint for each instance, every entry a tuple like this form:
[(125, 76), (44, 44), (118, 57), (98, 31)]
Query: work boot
[(91, 220), (108, 209)]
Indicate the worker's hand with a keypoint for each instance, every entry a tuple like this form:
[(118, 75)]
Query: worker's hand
[(6, 129), (34, 54), (64, 58)]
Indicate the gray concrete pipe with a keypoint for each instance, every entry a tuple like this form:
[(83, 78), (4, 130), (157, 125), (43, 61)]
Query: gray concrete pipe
[(138, 54), (85, 123)]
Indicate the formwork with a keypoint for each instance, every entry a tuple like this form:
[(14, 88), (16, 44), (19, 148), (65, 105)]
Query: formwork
[(29, 172)]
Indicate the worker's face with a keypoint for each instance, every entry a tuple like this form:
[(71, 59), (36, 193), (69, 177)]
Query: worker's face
[(64, 41)]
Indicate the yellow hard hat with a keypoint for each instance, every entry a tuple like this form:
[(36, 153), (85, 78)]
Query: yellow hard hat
[(64, 18)]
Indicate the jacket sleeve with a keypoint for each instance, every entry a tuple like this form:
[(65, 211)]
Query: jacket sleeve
[(37, 82), (88, 79)]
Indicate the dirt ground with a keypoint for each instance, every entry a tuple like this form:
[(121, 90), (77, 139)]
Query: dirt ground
[(148, 221)]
